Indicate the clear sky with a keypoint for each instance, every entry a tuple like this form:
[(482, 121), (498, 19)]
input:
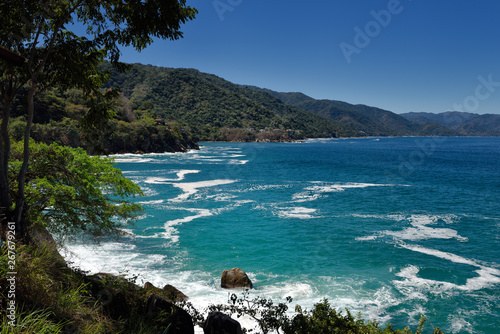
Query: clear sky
[(407, 55)]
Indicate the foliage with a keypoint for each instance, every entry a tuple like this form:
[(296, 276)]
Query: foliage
[(59, 121), (69, 191), (365, 120), (206, 104), (37, 321), (322, 319), (53, 298), (56, 56)]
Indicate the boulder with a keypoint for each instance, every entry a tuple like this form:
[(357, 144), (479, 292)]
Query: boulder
[(235, 278), (169, 292), (174, 294), (219, 323), (115, 294), (177, 320)]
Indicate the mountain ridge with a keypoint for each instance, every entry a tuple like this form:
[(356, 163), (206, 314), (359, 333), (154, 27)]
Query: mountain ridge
[(208, 103), (367, 120), (465, 123)]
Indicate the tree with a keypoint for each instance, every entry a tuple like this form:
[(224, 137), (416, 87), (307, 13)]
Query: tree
[(38, 29), (69, 191)]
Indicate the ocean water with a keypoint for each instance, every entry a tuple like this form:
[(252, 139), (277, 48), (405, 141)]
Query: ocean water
[(389, 227)]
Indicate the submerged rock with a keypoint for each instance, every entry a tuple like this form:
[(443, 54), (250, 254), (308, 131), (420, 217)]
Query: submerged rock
[(235, 278), (219, 323)]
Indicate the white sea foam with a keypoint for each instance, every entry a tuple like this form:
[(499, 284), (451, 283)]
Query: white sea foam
[(203, 288), (237, 162), (221, 197), (191, 188), (396, 217), (181, 175), (321, 189), (139, 158), (328, 188), (419, 229), (487, 276), (261, 187), (368, 238), (459, 325), (95, 258), (170, 231), (157, 201), (297, 212), (305, 197), (132, 160)]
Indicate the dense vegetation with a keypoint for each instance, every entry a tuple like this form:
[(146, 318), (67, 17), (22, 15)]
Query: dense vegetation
[(368, 121), (463, 123), (210, 106), (59, 114)]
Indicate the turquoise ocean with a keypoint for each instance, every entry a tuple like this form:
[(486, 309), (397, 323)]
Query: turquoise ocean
[(389, 227)]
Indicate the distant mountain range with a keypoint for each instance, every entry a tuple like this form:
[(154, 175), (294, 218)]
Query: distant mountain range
[(378, 122), (465, 124), (164, 109), (210, 105), (367, 121)]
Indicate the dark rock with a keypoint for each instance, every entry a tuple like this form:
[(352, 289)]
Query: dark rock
[(235, 278), (174, 294), (179, 320), (116, 295), (149, 286), (169, 292), (219, 323)]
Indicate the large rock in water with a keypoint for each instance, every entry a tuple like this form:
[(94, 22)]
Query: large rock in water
[(235, 278), (219, 323)]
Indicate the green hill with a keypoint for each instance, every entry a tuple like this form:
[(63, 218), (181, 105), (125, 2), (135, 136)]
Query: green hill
[(211, 107), (57, 119), (366, 120), (165, 109), (466, 124)]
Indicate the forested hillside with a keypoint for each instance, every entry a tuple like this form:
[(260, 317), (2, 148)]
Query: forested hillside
[(213, 108), (166, 109), (367, 120), (464, 123), (58, 114)]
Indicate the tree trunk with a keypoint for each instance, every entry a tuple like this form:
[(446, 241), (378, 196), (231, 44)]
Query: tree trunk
[(21, 207)]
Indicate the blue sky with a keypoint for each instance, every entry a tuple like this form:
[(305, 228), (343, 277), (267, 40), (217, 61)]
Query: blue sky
[(407, 55)]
